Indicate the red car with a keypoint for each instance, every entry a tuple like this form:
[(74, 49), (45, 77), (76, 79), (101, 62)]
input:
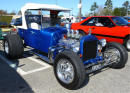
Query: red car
[(111, 28)]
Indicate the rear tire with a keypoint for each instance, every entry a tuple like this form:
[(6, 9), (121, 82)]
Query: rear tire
[(116, 53), (69, 70), (13, 46)]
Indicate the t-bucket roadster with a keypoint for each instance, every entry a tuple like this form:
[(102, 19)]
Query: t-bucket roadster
[(72, 56)]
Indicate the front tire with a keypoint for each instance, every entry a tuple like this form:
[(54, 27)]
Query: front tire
[(127, 43), (116, 54), (82, 33), (13, 46), (69, 70)]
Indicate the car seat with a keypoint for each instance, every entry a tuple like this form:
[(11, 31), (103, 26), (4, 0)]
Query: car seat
[(34, 25)]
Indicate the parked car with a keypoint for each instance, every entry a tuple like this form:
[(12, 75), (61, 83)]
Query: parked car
[(82, 18), (67, 20), (8, 29), (64, 22), (29, 18), (1, 23), (1, 37), (111, 28), (127, 18), (12, 21), (73, 57), (18, 22)]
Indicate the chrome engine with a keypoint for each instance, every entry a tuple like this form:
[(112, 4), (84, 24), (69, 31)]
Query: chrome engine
[(72, 41)]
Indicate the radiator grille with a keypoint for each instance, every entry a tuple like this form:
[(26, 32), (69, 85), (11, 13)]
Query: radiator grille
[(89, 50)]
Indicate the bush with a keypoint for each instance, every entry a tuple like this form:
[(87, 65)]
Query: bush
[(5, 19)]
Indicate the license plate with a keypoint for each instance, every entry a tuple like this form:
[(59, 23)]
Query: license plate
[(96, 66)]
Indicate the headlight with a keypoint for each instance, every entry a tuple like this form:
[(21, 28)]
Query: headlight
[(75, 49), (99, 47), (102, 42)]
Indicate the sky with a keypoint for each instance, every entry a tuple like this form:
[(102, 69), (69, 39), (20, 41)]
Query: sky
[(16, 5)]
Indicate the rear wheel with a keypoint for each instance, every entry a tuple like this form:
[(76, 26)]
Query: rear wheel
[(13, 46), (69, 70), (116, 54)]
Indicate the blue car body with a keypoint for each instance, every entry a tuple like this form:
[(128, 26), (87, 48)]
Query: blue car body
[(42, 39), (46, 38)]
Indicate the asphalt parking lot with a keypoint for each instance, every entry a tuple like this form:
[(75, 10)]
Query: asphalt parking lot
[(31, 74)]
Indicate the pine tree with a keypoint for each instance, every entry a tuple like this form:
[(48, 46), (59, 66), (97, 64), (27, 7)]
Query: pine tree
[(117, 12), (127, 7), (94, 7), (108, 7)]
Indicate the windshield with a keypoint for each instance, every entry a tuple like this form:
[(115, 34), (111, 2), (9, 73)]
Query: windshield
[(64, 20), (33, 18), (119, 21)]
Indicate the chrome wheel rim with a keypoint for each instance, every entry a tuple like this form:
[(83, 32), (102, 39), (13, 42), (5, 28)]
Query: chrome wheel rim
[(65, 71), (112, 55), (128, 44), (6, 47)]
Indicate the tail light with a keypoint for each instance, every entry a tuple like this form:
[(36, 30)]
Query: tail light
[(14, 29)]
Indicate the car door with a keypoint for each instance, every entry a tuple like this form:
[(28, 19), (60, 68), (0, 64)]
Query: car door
[(34, 38), (105, 28), (85, 26)]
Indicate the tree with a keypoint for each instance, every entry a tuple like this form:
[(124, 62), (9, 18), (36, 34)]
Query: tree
[(5, 12), (127, 6), (27, 12), (122, 10), (94, 7), (128, 12), (100, 11), (60, 16), (78, 15), (13, 12), (19, 12), (108, 7), (117, 12), (1, 12)]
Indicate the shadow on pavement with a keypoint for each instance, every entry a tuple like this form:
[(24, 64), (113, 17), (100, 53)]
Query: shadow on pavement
[(89, 75), (10, 80)]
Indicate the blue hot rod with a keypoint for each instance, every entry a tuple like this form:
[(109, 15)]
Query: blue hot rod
[(71, 54)]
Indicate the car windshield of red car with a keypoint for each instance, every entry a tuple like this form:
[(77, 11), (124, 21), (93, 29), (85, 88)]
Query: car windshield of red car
[(119, 21)]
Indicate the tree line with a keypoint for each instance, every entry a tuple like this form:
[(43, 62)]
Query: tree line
[(95, 9), (4, 12), (108, 9)]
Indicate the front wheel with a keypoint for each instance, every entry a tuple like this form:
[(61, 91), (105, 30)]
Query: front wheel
[(69, 70), (116, 54), (127, 43), (82, 33)]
